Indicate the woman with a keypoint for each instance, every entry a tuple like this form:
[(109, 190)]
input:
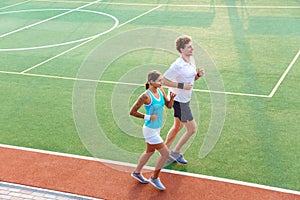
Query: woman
[(153, 99)]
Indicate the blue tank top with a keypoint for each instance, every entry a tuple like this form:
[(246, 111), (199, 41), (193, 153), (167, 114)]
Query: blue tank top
[(155, 107)]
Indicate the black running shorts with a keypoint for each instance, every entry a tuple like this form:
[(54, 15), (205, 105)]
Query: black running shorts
[(183, 111)]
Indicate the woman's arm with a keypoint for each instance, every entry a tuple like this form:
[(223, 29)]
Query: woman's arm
[(143, 99), (168, 102)]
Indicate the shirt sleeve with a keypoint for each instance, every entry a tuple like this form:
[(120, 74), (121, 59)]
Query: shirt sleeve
[(171, 74)]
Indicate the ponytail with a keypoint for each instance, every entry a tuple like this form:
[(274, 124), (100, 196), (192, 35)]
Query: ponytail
[(147, 85)]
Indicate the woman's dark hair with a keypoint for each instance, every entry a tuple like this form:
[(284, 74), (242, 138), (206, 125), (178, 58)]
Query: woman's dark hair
[(152, 76)]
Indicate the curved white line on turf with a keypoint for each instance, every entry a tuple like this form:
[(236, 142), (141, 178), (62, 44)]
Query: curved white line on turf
[(87, 41), (65, 43), (48, 19), (213, 178)]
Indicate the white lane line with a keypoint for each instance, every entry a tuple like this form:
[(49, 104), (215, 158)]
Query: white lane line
[(123, 83), (140, 15), (46, 20), (70, 78), (186, 5), (75, 47), (284, 74), (232, 93), (14, 5), (93, 38), (58, 55), (254, 185), (206, 6)]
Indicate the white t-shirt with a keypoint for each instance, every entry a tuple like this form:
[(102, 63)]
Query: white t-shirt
[(181, 72)]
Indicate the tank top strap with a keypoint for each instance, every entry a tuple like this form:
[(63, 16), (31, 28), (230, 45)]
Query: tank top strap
[(153, 98)]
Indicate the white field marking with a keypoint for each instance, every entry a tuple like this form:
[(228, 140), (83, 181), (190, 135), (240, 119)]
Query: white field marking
[(284, 74), (139, 16), (64, 43), (46, 20), (123, 83), (234, 93), (14, 5), (254, 185), (58, 55), (207, 6), (185, 5), (51, 192), (69, 78), (75, 47), (75, 41)]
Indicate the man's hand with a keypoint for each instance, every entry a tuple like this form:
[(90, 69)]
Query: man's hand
[(200, 72)]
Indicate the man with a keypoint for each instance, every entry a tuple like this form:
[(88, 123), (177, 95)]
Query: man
[(180, 78)]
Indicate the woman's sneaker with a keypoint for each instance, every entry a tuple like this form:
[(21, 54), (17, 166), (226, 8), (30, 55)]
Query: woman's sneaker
[(156, 183), (139, 177)]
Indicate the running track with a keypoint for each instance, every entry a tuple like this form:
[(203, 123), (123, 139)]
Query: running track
[(92, 178)]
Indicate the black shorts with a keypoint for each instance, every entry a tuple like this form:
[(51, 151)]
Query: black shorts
[(183, 111)]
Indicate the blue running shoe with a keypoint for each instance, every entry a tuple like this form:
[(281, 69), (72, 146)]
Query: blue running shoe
[(178, 157), (139, 177), (156, 183), (171, 160)]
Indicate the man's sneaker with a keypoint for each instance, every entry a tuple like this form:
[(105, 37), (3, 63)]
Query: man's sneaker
[(178, 157), (139, 177), (156, 183), (171, 160)]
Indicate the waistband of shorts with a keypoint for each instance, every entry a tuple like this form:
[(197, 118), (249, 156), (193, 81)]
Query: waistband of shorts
[(182, 102)]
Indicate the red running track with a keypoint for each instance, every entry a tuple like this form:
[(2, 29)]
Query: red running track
[(95, 179)]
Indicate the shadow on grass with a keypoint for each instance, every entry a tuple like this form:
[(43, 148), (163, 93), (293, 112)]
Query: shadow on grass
[(175, 166)]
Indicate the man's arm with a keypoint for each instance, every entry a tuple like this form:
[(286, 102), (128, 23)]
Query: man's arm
[(185, 86)]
